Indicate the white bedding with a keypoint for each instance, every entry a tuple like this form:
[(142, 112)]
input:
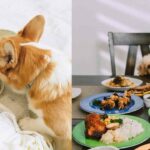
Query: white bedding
[(12, 138)]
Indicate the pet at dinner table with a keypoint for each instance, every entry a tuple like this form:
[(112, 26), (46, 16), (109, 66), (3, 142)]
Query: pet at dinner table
[(44, 75), (144, 67)]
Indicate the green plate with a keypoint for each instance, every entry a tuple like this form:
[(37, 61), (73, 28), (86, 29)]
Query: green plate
[(79, 136), (149, 111)]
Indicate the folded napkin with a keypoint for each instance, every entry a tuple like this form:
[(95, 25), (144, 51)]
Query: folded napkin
[(12, 138)]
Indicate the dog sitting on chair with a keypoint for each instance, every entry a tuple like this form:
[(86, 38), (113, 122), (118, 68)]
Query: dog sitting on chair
[(144, 67), (44, 75)]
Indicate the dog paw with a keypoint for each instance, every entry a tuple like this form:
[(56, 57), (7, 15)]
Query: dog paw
[(25, 123)]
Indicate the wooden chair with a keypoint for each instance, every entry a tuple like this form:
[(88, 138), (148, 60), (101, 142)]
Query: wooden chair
[(133, 40)]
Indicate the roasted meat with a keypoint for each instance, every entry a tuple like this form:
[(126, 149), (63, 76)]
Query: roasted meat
[(115, 101), (120, 81), (114, 97), (123, 102), (94, 127), (108, 104)]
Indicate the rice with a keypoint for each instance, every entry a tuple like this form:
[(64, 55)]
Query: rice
[(129, 129)]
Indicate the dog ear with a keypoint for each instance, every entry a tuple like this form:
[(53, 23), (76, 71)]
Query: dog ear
[(34, 29)]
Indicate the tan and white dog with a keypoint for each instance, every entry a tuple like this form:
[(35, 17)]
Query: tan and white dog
[(45, 77), (144, 67)]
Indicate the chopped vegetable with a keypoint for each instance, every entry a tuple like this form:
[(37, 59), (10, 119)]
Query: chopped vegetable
[(120, 121)]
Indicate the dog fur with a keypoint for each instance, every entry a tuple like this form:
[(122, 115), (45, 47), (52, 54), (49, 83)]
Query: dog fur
[(45, 77), (144, 67)]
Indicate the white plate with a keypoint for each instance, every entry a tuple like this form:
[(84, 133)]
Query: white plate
[(134, 80), (76, 92)]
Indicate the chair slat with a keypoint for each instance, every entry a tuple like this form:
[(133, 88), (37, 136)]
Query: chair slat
[(145, 49), (131, 60), (112, 54), (131, 38)]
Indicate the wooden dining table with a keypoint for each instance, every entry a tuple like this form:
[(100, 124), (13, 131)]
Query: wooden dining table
[(91, 85)]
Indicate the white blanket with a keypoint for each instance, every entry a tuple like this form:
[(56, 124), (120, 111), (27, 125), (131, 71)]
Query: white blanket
[(12, 138)]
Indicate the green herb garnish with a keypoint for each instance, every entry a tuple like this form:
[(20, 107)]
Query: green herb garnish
[(120, 121)]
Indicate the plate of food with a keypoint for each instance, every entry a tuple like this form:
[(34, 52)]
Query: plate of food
[(121, 131), (76, 92), (111, 103), (139, 91), (121, 83)]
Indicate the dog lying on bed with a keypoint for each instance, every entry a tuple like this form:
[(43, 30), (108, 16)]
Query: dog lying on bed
[(144, 67), (45, 77)]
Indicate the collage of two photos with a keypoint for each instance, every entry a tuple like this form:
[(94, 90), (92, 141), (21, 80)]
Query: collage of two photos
[(75, 75)]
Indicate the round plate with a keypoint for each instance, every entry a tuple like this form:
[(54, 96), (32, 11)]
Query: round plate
[(79, 136), (105, 148), (134, 80), (87, 104), (149, 111), (76, 92)]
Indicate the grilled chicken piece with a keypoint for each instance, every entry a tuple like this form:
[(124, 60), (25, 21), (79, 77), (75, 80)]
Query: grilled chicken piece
[(114, 101), (108, 104), (111, 103), (104, 103), (94, 127), (114, 97), (123, 101)]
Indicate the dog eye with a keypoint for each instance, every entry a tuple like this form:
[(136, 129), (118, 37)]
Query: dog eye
[(9, 57)]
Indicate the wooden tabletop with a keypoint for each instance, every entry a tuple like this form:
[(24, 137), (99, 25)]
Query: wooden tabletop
[(90, 85), (97, 79)]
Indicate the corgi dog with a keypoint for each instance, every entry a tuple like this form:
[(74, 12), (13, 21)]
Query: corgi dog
[(44, 75)]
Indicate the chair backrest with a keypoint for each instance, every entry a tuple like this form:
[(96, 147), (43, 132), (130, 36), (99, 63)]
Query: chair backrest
[(133, 40)]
